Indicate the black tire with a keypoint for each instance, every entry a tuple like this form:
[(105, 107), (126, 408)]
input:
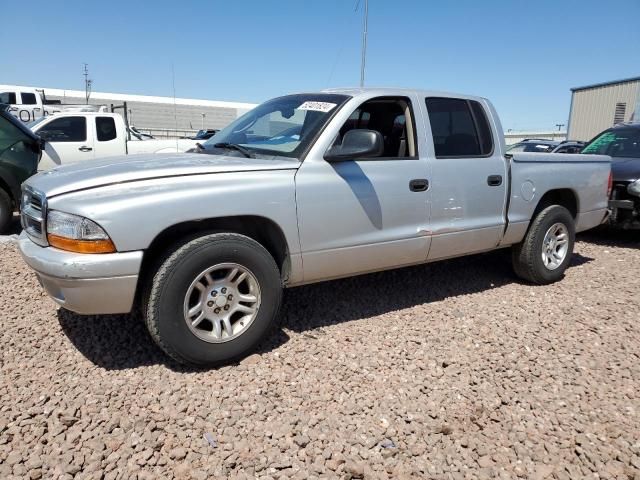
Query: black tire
[(164, 311), (527, 255), (6, 211)]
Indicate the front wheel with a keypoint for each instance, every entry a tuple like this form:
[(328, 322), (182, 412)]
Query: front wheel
[(544, 254), (214, 299)]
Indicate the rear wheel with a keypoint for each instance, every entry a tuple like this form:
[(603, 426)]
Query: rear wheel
[(6, 211), (214, 299), (544, 254)]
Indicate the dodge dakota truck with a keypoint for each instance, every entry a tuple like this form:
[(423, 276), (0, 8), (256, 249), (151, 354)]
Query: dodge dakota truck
[(304, 188)]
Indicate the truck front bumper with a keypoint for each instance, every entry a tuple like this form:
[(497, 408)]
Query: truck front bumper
[(90, 284)]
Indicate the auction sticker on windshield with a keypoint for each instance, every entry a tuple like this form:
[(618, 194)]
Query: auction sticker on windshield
[(317, 106)]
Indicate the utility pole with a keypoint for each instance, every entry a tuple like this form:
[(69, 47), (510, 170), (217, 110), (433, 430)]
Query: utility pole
[(87, 83), (559, 125), (364, 41)]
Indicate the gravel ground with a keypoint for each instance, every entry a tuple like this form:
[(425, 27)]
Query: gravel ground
[(452, 370)]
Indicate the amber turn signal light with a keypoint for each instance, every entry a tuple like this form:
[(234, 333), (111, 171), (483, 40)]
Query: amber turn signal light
[(81, 246)]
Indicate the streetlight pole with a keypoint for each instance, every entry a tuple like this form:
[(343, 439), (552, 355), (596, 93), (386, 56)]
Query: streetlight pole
[(364, 41)]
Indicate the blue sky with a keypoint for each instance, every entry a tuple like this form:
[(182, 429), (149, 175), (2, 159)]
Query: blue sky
[(524, 56)]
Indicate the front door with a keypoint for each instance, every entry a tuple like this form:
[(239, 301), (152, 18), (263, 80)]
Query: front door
[(469, 178), (362, 215), (68, 140)]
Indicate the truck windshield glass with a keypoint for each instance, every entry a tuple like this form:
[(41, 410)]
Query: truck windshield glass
[(620, 142), (284, 126)]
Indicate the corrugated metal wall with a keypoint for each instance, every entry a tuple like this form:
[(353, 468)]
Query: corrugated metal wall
[(593, 109), (161, 119)]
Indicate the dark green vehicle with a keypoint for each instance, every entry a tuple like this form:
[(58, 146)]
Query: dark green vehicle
[(20, 151)]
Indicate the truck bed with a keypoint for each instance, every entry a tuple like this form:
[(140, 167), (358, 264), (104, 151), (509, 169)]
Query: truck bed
[(532, 174)]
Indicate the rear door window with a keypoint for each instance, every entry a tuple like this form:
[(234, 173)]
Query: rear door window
[(459, 127), (105, 129), (28, 98)]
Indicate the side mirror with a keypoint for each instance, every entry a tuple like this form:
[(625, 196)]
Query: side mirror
[(358, 143), (44, 136)]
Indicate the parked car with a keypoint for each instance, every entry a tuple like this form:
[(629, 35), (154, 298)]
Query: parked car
[(569, 146), (622, 144), (371, 179), (533, 145), (79, 136), (19, 155), (204, 134)]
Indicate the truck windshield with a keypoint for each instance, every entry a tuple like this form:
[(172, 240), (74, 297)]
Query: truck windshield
[(284, 126), (618, 142)]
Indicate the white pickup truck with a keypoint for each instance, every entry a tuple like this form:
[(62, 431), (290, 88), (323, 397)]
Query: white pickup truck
[(29, 104), (71, 137)]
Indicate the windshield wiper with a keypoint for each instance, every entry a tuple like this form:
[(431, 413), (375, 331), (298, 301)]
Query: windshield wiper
[(234, 146)]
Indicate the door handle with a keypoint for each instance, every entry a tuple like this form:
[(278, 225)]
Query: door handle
[(85, 149), (494, 180), (418, 184)]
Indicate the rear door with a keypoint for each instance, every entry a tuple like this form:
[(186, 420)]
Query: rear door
[(68, 139), (469, 177), (108, 141), (30, 109)]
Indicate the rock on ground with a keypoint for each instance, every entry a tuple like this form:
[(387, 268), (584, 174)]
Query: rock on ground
[(447, 371)]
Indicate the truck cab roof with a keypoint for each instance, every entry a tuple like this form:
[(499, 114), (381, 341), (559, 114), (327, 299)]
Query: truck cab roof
[(398, 91)]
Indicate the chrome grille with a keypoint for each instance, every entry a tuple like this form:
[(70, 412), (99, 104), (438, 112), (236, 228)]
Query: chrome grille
[(33, 213)]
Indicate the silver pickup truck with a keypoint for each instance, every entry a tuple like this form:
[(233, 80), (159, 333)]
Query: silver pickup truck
[(304, 188)]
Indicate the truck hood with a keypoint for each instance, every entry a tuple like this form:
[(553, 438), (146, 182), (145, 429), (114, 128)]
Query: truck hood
[(131, 168), (625, 169)]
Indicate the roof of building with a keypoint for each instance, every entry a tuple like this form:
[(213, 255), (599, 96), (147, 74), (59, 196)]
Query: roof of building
[(604, 84), (56, 92)]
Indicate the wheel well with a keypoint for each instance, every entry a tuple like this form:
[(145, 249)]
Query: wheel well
[(562, 196), (261, 229)]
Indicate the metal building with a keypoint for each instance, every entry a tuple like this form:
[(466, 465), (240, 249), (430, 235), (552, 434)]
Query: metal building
[(160, 116), (595, 108)]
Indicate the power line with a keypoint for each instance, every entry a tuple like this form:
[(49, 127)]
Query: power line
[(345, 27)]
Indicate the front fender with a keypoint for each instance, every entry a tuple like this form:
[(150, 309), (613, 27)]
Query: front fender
[(134, 213)]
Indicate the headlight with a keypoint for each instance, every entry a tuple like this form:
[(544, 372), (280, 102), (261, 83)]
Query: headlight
[(77, 234), (634, 188)]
